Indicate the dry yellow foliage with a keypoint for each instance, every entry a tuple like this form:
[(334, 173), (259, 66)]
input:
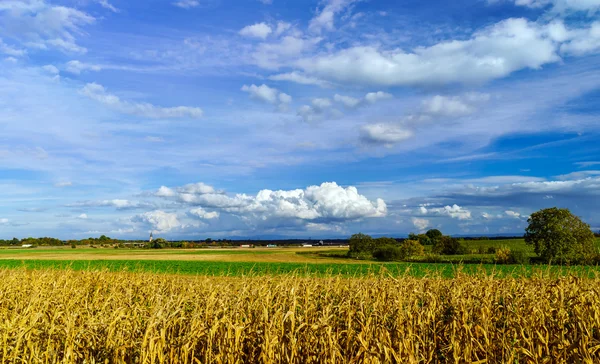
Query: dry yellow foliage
[(54, 316)]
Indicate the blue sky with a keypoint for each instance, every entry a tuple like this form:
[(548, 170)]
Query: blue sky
[(225, 119)]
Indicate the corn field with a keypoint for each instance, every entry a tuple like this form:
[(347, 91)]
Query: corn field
[(54, 316)]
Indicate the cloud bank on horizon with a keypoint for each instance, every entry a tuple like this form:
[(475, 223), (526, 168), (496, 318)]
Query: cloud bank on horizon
[(196, 119)]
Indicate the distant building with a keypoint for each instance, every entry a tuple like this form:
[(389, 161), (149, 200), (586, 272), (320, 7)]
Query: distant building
[(245, 246), (26, 246), (150, 237), (271, 246)]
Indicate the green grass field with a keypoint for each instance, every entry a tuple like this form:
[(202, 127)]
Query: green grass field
[(212, 268), (263, 261)]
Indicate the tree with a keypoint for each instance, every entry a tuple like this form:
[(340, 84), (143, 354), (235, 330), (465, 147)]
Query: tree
[(558, 234), (434, 234), (410, 248), (360, 244), (449, 246), (383, 241)]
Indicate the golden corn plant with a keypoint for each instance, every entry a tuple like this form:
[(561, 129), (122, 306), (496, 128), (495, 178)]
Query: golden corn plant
[(49, 316)]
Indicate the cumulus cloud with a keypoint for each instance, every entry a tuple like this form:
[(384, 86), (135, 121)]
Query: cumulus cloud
[(187, 4), (327, 202), (258, 30), (318, 109), (48, 26), (82, 216), (51, 69), (420, 224), (584, 41), (513, 214), (453, 106), (454, 211), (159, 220), (386, 134), (203, 214), (491, 53), (370, 98), (4, 221), (98, 93), (268, 95), (77, 67)]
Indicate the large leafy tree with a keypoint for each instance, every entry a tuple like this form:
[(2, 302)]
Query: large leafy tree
[(434, 234), (361, 244), (557, 234)]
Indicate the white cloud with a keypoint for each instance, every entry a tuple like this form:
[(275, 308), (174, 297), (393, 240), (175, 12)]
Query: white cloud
[(513, 214), (561, 6), (63, 184), (299, 78), (160, 221), (258, 30), (203, 214), (370, 98), (119, 204), (187, 4), (373, 97), (347, 101), (327, 202), (77, 67), (325, 18), (317, 109), (11, 51), (105, 4), (82, 216), (420, 224), (446, 106), (273, 55), (487, 216), (47, 26), (386, 134), (587, 164), (266, 2), (578, 175), (50, 69), (491, 53), (269, 95), (583, 41), (98, 93), (282, 27), (454, 211)]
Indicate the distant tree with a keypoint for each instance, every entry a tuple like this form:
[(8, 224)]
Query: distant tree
[(449, 246), (383, 241), (360, 244), (158, 243), (410, 248), (558, 234), (434, 234), (388, 253)]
